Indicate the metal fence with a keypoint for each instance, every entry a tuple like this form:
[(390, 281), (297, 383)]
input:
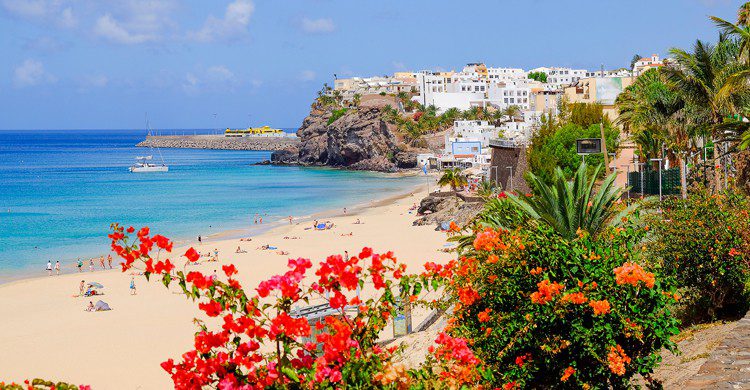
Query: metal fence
[(670, 181)]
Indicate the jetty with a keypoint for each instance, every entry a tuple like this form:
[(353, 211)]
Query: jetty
[(220, 142)]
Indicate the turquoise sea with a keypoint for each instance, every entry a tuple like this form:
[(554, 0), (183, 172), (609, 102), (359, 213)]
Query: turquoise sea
[(60, 190)]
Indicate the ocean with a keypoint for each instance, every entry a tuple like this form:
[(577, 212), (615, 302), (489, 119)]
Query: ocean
[(61, 190)]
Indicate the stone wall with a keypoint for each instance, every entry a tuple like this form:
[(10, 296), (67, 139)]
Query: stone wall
[(504, 157), (221, 142)]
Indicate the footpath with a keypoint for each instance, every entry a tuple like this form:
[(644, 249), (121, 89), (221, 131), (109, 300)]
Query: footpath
[(728, 366)]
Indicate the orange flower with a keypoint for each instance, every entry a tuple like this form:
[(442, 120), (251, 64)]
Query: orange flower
[(536, 271), (492, 278), (600, 307), (568, 372), (733, 252), (632, 273), (617, 360), (467, 295), (487, 240), (578, 298), (546, 292), (492, 259), (454, 228), (484, 316)]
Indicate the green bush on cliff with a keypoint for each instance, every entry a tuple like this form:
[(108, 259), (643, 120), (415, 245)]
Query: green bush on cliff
[(336, 114)]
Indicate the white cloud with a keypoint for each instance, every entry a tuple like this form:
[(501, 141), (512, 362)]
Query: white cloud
[(233, 25), (110, 29), (45, 11), (321, 25), (211, 79), (31, 72), (67, 20), (220, 73), (307, 75)]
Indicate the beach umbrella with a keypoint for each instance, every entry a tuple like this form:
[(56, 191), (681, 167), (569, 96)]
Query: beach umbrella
[(95, 285)]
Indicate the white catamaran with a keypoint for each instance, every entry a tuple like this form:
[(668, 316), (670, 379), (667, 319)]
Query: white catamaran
[(143, 163)]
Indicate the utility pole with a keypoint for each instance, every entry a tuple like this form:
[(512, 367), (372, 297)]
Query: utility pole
[(604, 148)]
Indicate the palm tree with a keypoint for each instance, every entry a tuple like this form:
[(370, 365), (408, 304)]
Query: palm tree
[(656, 115), (486, 189), (570, 206), (743, 14), (453, 178), (711, 78)]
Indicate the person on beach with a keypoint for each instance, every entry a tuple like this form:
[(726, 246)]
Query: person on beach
[(260, 220), (90, 307), (214, 276), (91, 264), (255, 219), (132, 285), (346, 255), (216, 254), (200, 240), (80, 265), (290, 219), (344, 210), (81, 288), (101, 262), (49, 267), (57, 267), (109, 260)]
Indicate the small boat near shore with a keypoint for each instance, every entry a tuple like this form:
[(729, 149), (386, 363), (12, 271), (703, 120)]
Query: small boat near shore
[(144, 165)]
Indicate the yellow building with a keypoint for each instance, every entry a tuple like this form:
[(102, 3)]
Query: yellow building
[(602, 90)]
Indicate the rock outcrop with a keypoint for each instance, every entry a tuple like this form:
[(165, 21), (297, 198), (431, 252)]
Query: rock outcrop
[(439, 209), (359, 139)]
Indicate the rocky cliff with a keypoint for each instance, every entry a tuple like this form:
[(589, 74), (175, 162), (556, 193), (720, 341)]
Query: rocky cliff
[(359, 139)]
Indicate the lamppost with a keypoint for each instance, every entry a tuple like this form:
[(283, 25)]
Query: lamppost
[(659, 160), (627, 166), (643, 164), (511, 177)]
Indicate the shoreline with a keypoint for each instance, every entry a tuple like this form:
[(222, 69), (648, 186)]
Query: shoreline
[(29, 273), (45, 324)]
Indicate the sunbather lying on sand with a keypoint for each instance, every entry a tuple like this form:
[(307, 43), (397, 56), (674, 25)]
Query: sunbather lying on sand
[(283, 253)]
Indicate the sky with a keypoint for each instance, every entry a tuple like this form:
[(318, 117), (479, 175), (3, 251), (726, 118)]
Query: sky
[(104, 64)]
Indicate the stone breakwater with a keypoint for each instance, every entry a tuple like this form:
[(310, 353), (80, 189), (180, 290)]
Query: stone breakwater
[(220, 142)]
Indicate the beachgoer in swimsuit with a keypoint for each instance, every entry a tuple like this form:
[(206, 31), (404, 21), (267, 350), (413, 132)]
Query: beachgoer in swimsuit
[(49, 267), (57, 267), (109, 260), (81, 288), (132, 285), (80, 265), (91, 264)]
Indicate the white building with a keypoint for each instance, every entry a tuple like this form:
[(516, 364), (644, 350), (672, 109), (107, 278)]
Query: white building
[(561, 77), (645, 64)]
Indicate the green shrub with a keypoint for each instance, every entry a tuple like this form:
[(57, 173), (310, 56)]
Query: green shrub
[(336, 114), (704, 242), (543, 311)]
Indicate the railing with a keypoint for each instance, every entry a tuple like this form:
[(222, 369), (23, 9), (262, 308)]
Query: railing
[(502, 143)]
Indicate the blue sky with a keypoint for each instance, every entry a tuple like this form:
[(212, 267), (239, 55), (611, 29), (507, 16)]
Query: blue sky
[(101, 64)]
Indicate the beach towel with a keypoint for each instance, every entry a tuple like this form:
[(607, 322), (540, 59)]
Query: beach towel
[(101, 306)]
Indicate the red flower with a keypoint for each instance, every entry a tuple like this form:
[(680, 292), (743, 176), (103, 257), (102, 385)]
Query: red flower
[(733, 252), (366, 252), (568, 372), (131, 229), (162, 242), (484, 316), (143, 232), (212, 308), (192, 255), (229, 270)]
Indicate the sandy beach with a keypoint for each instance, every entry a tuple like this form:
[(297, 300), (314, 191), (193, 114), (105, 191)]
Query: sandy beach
[(46, 333)]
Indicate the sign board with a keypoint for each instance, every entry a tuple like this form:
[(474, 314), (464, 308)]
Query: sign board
[(589, 145)]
